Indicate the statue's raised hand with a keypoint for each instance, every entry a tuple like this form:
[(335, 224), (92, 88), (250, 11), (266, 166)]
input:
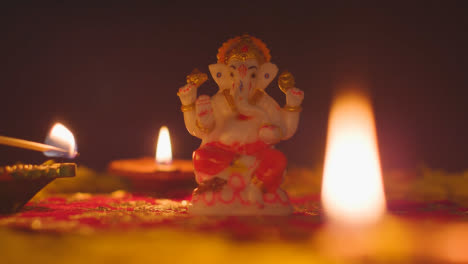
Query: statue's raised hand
[(287, 84), (294, 97), (205, 117), (188, 92)]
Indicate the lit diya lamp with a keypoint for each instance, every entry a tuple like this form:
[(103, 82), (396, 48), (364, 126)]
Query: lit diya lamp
[(358, 225), (352, 190), (20, 182), (159, 175)]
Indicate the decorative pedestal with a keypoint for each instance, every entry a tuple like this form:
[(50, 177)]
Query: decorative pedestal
[(234, 192)]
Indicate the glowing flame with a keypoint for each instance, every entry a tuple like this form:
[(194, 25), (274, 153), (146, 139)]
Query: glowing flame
[(60, 137), (163, 148), (352, 189)]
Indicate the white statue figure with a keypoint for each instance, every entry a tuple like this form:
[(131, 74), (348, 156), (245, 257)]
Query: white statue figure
[(238, 170)]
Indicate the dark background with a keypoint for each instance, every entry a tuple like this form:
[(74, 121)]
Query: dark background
[(110, 73)]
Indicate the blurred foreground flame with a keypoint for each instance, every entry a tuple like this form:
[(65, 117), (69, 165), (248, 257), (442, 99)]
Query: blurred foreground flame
[(352, 189), (164, 148)]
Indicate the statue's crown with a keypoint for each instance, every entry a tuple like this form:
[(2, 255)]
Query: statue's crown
[(242, 48)]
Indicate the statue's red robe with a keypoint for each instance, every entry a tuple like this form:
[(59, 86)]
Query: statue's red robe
[(214, 157)]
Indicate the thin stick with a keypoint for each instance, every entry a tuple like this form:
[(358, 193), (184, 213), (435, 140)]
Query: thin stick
[(20, 143)]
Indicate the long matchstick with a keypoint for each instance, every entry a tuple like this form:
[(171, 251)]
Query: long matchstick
[(20, 143)]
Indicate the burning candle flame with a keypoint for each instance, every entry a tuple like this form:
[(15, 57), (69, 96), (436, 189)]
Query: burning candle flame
[(352, 189), (60, 137), (163, 148)]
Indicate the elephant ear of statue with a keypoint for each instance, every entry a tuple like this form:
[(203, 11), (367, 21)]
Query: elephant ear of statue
[(220, 74), (266, 74)]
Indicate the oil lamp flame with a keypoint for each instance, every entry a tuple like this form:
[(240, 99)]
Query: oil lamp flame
[(352, 189), (60, 137), (163, 147)]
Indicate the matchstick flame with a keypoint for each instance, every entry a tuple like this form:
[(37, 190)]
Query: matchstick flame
[(60, 137)]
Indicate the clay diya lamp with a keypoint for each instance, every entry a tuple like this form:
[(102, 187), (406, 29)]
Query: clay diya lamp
[(159, 176), (19, 183)]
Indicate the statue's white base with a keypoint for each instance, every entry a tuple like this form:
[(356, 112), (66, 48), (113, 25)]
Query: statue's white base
[(249, 201)]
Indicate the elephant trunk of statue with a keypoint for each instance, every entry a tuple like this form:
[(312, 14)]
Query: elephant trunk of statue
[(243, 80)]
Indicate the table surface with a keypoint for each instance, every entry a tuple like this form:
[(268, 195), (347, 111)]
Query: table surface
[(84, 219), (105, 228)]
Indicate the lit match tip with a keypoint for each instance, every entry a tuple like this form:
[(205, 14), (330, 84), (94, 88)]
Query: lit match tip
[(62, 138)]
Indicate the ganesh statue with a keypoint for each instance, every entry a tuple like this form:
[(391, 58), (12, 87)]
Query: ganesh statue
[(237, 168)]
